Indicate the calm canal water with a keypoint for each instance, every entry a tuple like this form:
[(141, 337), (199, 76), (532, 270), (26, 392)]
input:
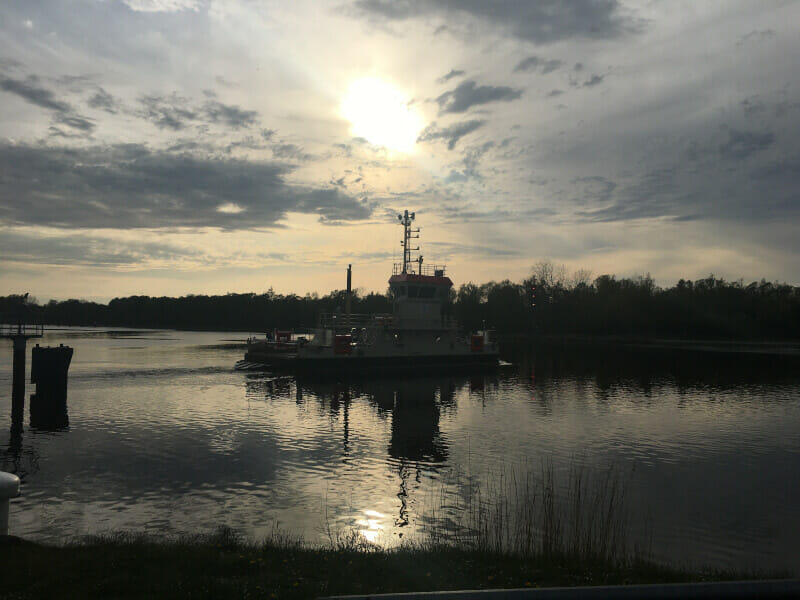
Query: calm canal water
[(165, 437)]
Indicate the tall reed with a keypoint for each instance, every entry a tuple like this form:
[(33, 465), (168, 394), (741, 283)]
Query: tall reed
[(529, 512)]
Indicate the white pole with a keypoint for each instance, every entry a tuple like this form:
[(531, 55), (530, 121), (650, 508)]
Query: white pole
[(9, 488)]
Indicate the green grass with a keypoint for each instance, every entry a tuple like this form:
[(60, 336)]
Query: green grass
[(221, 566)]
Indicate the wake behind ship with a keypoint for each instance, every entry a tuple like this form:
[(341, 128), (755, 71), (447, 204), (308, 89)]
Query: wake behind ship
[(418, 335)]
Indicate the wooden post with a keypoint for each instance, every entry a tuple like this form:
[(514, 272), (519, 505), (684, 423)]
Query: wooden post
[(18, 382)]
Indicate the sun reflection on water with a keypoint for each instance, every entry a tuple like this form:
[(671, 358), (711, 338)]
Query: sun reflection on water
[(371, 528)]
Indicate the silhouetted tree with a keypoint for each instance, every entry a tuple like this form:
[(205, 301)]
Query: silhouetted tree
[(708, 307)]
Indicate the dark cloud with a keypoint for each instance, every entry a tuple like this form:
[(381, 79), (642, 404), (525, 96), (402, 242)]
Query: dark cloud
[(536, 63), (167, 112), (75, 83), (657, 193), (102, 100), (451, 134), (783, 173), (30, 91), (176, 113), (469, 94), (765, 193), (346, 149), (63, 113), (58, 132), (172, 112), (741, 144), (9, 64), (594, 190), (471, 161), (129, 186), (458, 212), (290, 151), (448, 249), (540, 22), (554, 93), (756, 36), (224, 82), (333, 206), (732, 165), (368, 256), (229, 114), (594, 80), (89, 251), (452, 74), (190, 146), (74, 121), (456, 177), (778, 188), (753, 106), (247, 143)]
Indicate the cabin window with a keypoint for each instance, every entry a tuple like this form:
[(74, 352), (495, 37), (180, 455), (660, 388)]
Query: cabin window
[(427, 292), (413, 291), (400, 290)]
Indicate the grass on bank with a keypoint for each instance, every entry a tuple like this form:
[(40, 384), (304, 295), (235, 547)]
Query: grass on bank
[(221, 566), (518, 531)]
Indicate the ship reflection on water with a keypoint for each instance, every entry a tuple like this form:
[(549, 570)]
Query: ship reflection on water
[(412, 404)]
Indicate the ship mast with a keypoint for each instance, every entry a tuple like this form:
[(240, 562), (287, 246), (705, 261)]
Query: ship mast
[(408, 234)]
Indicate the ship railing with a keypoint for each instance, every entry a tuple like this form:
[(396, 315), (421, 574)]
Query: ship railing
[(447, 323), (417, 269), (341, 322), (353, 320)]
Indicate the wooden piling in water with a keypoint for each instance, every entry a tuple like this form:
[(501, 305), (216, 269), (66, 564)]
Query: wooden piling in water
[(49, 370)]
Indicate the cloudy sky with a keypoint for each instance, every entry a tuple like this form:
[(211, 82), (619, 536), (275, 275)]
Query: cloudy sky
[(167, 147)]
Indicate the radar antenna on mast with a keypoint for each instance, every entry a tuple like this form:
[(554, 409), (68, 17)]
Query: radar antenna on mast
[(408, 234)]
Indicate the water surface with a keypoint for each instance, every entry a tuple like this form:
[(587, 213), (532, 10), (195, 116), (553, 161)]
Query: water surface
[(165, 437)]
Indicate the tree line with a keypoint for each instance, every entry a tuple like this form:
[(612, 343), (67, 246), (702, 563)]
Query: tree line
[(549, 301)]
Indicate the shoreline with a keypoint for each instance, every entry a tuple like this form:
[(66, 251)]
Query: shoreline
[(222, 566), (576, 338)]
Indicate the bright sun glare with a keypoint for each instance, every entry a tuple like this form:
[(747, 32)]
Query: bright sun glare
[(379, 112)]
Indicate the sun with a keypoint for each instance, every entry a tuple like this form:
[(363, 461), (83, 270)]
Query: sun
[(380, 113)]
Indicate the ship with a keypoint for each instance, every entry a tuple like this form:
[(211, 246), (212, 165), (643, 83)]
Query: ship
[(418, 335)]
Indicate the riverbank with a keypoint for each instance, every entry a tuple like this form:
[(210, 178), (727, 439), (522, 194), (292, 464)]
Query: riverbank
[(715, 344), (222, 566)]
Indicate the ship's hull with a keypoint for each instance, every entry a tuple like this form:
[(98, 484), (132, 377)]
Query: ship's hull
[(296, 363)]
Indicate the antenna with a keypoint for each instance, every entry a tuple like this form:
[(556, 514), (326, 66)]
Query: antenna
[(408, 234)]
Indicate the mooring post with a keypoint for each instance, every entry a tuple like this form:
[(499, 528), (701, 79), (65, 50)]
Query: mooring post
[(9, 488), (49, 368), (18, 380)]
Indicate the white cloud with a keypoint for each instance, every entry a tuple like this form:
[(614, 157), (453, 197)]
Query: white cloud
[(230, 208), (162, 5)]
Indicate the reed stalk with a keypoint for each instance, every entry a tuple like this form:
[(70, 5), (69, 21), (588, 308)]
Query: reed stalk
[(531, 512)]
